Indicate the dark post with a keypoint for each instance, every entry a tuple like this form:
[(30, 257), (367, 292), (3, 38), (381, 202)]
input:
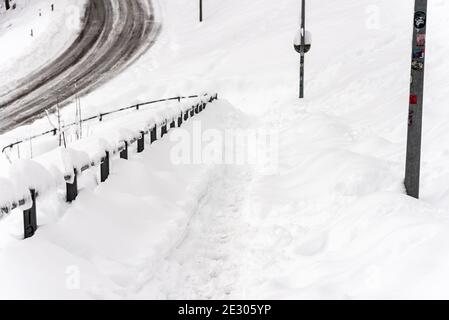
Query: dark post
[(104, 168), (201, 10), (180, 120), (413, 161), (72, 188), (154, 134), (186, 115), (303, 45), (163, 130), (141, 143), (124, 152), (30, 218), (7, 5), (173, 124), (192, 112)]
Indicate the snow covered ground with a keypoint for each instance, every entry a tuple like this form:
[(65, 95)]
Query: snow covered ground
[(331, 221), (34, 27)]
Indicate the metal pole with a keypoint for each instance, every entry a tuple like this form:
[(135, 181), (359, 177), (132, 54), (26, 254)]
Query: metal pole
[(414, 135), (303, 43), (201, 10)]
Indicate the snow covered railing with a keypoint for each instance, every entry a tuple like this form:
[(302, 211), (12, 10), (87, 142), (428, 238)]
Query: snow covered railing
[(99, 117), (30, 179)]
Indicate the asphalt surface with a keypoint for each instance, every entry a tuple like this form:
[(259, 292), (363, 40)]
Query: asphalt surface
[(110, 40)]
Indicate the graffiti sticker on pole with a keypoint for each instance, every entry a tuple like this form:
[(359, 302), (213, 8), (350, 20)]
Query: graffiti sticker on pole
[(421, 40), (417, 65), (420, 19)]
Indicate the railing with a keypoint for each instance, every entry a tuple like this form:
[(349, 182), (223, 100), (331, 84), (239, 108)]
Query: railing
[(71, 180), (99, 117)]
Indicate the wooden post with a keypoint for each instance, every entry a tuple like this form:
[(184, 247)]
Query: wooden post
[(104, 168), (72, 188), (30, 218), (141, 143), (124, 152), (414, 135)]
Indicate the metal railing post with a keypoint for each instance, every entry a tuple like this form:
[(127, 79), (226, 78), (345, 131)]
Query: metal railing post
[(153, 134), (124, 152), (163, 130), (72, 188), (30, 218), (141, 143), (104, 168)]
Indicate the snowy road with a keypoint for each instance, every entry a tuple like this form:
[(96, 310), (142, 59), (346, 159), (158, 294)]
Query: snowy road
[(114, 34)]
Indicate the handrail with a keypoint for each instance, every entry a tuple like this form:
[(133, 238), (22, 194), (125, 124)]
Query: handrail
[(99, 116)]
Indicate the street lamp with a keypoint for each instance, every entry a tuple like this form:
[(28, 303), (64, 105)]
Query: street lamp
[(302, 44), (414, 135)]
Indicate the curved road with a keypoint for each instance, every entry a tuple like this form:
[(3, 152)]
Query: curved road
[(114, 34)]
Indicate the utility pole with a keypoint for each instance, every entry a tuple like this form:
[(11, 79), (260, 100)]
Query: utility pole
[(201, 10), (414, 135), (303, 45)]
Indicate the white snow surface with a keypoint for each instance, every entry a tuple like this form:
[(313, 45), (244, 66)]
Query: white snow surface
[(331, 223), (32, 34)]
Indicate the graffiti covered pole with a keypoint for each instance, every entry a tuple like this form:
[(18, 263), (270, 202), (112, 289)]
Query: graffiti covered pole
[(414, 135), (303, 44)]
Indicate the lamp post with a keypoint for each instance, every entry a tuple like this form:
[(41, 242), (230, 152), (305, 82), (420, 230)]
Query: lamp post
[(414, 135), (302, 52), (302, 46)]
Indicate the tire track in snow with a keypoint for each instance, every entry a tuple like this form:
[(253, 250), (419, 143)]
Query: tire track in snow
[(114, 34)]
